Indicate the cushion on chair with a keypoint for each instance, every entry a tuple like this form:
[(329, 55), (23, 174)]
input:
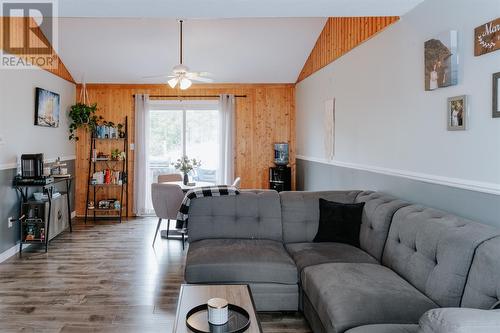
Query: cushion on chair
[(460, 320), (385, 328), (239, 260), (300, 211), (250, 215), (433, 250), (347, 295), (482, 290), (308, 254), (339, 222), (376, 220)]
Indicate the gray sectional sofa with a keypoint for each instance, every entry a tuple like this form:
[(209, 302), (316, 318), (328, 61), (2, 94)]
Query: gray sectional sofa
[(412, 264)]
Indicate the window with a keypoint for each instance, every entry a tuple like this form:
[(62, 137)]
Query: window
[(183, 128)]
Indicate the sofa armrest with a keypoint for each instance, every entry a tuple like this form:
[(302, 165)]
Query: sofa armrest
[(460, 320)]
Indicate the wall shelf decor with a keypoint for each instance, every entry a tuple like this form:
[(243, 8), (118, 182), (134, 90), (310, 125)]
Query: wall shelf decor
[(487, 37)]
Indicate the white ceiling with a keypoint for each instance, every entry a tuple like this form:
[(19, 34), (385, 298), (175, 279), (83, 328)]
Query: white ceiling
[(232, 50), (233, 8), (243, 41)]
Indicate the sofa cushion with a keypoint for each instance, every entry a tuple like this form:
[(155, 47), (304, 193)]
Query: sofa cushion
[(376, 220), (308, 254), (347, 295), (300, 212), (247, 215), (482, 289), (433, 250), (239, 260), (275, 296), (460, 320), (385, 328), (339, 222)]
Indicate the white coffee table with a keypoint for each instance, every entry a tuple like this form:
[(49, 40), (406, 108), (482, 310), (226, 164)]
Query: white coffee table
[(192, 295)]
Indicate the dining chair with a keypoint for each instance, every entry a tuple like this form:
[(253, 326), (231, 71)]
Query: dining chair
[(169, 177), (237, 182), (167, 199)]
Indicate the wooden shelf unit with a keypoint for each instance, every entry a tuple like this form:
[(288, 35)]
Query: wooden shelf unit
[(96, 165)]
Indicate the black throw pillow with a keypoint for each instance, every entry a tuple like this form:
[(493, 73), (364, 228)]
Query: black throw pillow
[(339, 222)]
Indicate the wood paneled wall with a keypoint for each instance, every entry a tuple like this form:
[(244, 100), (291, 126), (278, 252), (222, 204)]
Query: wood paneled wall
[(36, 40), (339, 36), (265, 116)]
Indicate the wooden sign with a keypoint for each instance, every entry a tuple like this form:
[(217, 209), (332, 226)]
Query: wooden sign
[(487, 37)]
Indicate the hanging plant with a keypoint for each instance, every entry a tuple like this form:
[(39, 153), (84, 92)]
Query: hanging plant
[(82, 116)]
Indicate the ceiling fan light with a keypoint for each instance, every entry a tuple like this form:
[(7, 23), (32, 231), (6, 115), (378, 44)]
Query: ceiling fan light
[(185, 83), (173, 82)]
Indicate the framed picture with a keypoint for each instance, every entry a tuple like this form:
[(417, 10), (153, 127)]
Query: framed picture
[(457, 113), (441, 61), (47, 108), (496, 95)]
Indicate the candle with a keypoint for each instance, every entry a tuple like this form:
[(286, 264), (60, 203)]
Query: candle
[(217, 311)]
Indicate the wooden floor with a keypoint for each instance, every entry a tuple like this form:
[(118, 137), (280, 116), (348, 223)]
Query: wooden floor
[(103, 277)]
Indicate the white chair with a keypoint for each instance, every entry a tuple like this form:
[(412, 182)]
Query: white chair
[(167, 199), (169, 177), (237, 182)]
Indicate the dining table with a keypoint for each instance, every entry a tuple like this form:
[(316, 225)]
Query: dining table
[(185, 188), (190, 186)]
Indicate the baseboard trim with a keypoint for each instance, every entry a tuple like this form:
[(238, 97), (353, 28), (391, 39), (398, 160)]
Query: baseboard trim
[(13, 165), (11, 252), (471, 185)]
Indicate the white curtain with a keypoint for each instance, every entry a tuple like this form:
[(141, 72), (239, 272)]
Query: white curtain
[(141, 163), (227, 134)]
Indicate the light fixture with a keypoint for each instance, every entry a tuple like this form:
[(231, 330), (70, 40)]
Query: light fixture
[(185, 83), (181, 76), (173, 82)]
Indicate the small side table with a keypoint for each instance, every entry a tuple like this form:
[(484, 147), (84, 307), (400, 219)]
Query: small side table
[(49, 190), (280, 178)]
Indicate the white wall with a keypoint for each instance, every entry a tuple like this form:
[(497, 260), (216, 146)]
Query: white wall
[(17, 109), (385, 119)]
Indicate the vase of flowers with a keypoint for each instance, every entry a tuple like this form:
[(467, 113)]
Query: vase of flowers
[(186, 165)]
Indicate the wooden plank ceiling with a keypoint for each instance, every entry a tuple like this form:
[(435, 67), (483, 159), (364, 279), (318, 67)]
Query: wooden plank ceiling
[(15, 27), (339, 36)]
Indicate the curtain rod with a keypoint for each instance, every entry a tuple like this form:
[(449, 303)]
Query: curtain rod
[(190, 96)]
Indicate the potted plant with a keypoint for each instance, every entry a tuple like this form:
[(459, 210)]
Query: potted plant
[(82, 116), (186, 165), (117, 155), (121, 132)]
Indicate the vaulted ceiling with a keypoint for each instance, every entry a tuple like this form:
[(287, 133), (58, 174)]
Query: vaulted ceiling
[(233, 8), (237, 41), (232, 50)]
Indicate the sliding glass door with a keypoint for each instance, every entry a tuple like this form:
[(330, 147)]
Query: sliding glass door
[(202, 142), (181, 128)]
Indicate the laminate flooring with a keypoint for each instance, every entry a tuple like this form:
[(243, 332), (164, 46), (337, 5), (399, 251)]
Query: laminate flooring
[(103, 277)]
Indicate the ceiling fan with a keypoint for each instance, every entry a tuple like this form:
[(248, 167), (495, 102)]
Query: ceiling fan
[(180, 73)]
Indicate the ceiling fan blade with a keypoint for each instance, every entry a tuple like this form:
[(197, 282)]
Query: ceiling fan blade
[(197, 74), (202, 79), (156, 76)]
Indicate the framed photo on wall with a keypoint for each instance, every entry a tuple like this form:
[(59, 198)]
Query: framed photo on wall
[(441, 61), (457, 113), (496, 95), (47, 108)]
